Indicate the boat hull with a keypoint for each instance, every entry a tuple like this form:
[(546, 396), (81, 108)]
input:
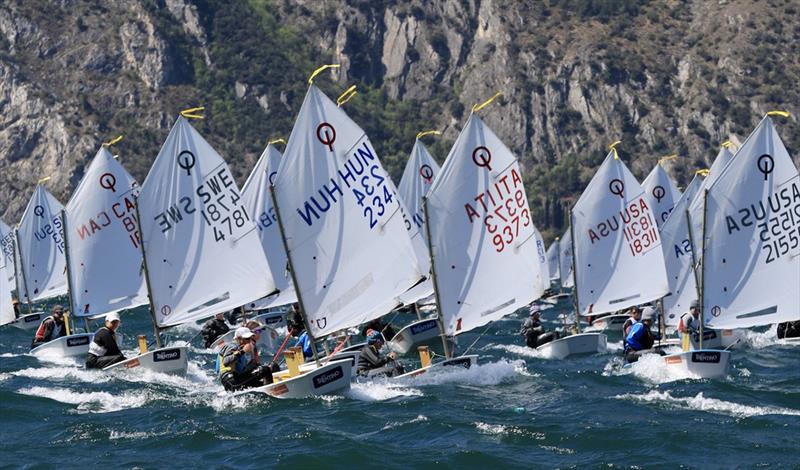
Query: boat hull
[(610, 323), (268, 343), (333, 377), (463, 361), (704, 363), (582, 343), (414, 334), (163, 360), (30, 321), (65, 346)]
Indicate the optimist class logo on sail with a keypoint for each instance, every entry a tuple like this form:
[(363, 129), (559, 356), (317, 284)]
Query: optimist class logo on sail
[(502, 207), (634, 219)]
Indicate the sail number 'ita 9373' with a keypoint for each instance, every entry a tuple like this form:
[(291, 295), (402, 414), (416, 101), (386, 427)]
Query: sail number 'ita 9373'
[(217, 199), (502, 208)]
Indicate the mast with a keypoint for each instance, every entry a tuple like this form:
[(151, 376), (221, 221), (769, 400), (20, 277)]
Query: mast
[(22, 270), (574, 273), (558, 252), (292, 272), (156, 329), (703, 267), (70, 291), (433, 275)]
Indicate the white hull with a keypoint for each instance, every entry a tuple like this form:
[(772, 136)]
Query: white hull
[(722, 339), (333, 377), (268, 343), (463, 361), (163, 360), (582, 343), (30, 321), (611, 323), (790, 341), (65, 346), (273, 320), (704, 363), (353, 356), (413, 335), (554, 299)]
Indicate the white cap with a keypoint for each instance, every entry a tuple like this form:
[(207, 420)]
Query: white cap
[(243, 332), (113, 316)]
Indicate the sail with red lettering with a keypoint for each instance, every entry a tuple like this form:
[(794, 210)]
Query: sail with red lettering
[(485, 254), (618, 257), (662, 194), (678, 256), (202, 249), (257, 199), (343, 221), (751, 251), (552, 261), (105, 259), (41, 263), (565, 270), (7, 245)]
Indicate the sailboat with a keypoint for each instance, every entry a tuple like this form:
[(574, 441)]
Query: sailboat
[(618, 261), (26, 320), (7, 315), (481, 237), (750, 238), (200, 248), (41, 272), (661, 191), (418, 177), (345, 236), (553, 257)]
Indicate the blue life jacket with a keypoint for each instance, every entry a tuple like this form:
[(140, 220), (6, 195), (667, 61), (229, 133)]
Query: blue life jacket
[(635, 336), (305, 342)]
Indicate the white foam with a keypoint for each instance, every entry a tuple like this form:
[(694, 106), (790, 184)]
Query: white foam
[(64, 373), (518, 350), (89, 402), (650, 367), (4, 376), (505, 430), (137, 435), (711, 405), (10, 355), (380, 390), (758, 340), (397, 424), (491, 373)]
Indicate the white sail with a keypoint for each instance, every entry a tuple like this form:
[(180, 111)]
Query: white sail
[(752, 236), (105, 259), (257, 200), (482, 234), (41, 248), (416, 181), (201, 246), (343, 221), (678, 256), (662, 194), (552, 261), (722, 160), (618, 257), (565, 270), (7, 245), (6, 307)]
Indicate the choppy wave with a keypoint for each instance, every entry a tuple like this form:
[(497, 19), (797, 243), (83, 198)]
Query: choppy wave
[(506, 430), (651, 368), (701, 403), (380, 390), (89, 402), (491, 373)]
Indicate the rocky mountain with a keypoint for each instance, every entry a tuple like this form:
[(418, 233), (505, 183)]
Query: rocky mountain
[(663, 76)]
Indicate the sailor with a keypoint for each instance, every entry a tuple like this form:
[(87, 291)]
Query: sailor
[(533, 331), (103, 350), (640, 338), (213, 329), (378, 325), (789, 329), (690, 322), (297, 330), (17, 311), (370, 358), (239, 366), (635, 316), (51, 327)]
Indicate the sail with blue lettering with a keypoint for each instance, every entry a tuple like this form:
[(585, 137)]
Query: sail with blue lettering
[(8, 247), (485, 255), (416, 181), (202, 249), (257, 199), (677, 249), (618, 257), (541, 255), (751, 255), (6, 307), (41, 263), (565, 257), (662, 193), (343, 221), (105, 259)]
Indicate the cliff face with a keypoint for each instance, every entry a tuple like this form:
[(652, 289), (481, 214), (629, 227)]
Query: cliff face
[(663, 76)]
